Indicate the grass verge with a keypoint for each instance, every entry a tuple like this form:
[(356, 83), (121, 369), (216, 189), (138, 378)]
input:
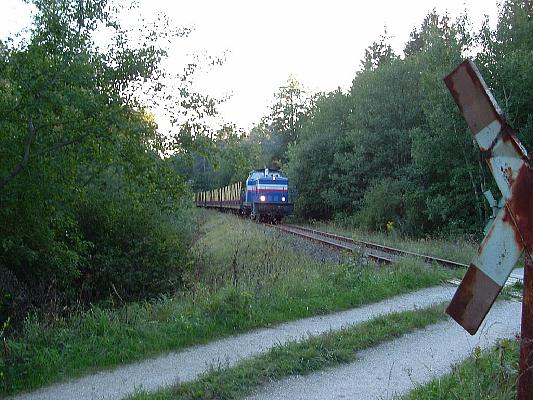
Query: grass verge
[(241, 281), (313, 354), (486, 375)]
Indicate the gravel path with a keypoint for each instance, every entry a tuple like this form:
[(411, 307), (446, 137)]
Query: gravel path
[(394, 368), (186, 365)]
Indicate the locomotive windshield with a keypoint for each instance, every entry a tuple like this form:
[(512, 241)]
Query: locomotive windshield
[(258, 173)]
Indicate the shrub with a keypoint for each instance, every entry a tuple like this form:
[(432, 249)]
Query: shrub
[(137, 252), (382, 204)]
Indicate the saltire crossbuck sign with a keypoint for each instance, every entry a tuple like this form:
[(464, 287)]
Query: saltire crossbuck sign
[(512, 231)]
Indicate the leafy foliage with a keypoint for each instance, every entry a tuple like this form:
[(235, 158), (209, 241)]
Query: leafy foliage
[(225, 159), (90, 210), (311, 158)]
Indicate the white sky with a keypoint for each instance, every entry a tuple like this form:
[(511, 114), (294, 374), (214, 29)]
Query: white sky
[(320, 43)]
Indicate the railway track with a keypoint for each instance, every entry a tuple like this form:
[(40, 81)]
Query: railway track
[(373, 251)]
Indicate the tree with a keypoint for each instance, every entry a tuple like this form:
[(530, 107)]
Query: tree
[(398, 138), (378, 54), (447, 170), (232, 155), (433, 25), (311, 158), (506, 62), (88, 205), (281, 127), (288, 110)]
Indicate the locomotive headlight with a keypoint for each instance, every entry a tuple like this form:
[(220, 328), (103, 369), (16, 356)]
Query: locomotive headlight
[(262, 198), (283, 198)]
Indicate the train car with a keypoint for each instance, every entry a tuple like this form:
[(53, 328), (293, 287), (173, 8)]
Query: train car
[(227, 198), (265, 197)]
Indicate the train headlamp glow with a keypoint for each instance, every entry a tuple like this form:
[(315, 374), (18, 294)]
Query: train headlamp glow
[(283, 198), (262, 198)]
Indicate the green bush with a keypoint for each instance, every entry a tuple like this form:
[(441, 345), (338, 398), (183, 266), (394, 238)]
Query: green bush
[(137, 250), (382, 204)]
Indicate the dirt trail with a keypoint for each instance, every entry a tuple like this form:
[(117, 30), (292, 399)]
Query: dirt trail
[(186, 365), (394, 368)]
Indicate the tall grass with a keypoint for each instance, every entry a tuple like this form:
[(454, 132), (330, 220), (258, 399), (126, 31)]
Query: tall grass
[(256, 257)]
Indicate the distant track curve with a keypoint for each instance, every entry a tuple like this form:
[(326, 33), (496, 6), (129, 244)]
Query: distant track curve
[(376, 252)]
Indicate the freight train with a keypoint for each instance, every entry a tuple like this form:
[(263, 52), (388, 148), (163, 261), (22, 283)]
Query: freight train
[(264, 197)]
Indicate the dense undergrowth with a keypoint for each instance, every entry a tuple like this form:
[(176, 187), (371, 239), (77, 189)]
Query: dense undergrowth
[(248, 279)]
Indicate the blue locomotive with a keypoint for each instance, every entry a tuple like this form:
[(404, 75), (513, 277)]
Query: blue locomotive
[(264, 197)]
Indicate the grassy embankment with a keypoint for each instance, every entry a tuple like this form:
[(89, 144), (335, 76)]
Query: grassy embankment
[(315, 353), (246, 276), (485, 375)]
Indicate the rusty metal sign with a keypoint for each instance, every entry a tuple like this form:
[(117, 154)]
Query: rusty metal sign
[(512, 230)]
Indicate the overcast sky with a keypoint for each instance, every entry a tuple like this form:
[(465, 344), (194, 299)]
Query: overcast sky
[(320, 43)]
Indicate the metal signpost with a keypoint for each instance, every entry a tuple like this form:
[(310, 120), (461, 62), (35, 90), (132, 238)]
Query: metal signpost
[(511, 233)]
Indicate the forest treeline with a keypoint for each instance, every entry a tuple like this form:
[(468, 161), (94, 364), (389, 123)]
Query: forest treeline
[(96, 202), (394, 149)]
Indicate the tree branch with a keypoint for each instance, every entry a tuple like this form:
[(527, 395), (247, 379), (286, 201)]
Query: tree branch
[(25, 158), (66, 143), (31, 128)]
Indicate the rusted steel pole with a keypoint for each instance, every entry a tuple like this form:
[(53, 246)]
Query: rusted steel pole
[(525, 380)]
